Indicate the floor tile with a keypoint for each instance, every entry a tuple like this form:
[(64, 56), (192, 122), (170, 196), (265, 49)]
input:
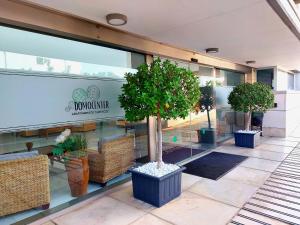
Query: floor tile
[(281, 142), (248, 176), (275, 148), (257, 153), (227, 191), (105, 211), (150, 220), (289, 138), (48, 223), (276, 156), (125, 195), (260, 164), (188, 180), (192, 209)]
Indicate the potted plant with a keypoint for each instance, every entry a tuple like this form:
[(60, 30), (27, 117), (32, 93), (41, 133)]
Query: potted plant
[(164, 91), (248, 98), (71, 149), (206, 103)]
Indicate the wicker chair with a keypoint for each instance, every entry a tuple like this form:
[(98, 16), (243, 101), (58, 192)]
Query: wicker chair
[(24, 184), (115, 157)]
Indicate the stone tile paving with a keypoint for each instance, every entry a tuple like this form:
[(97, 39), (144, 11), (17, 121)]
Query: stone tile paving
[(203, 201)]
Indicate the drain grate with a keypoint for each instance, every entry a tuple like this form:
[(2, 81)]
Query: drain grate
[(278, 200)]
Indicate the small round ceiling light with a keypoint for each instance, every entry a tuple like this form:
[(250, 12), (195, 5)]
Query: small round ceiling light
[(250, 62), (116, 19), (212, 50), (295, 71)]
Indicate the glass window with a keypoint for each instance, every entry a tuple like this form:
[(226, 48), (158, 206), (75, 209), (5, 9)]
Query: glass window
[(265, 76), (228, 121), (40, 104), (291, 81), (230, 78)]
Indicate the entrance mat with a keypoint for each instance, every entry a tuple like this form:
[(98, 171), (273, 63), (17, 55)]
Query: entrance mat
[(177, 154), (174, 155), (213, 165)]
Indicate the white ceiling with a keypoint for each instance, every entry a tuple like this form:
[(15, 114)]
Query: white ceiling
[(242, 29)]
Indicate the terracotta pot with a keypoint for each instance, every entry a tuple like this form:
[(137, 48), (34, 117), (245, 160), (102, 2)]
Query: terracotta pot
[(78, 175), (29, 146)]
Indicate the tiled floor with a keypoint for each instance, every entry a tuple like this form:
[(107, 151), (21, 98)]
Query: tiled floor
[(202, 202), (278, 198)]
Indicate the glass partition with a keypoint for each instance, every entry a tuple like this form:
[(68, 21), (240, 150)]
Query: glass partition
[(228, 120), (50, 85)]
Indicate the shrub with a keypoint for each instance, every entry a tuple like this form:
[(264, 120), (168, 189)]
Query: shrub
[(162, 90), (248, 98)]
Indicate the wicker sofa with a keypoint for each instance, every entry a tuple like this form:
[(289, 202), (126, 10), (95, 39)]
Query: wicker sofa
[(114, 157), (24, 184)]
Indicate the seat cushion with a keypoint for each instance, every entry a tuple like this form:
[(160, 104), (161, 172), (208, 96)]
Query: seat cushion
[(20, 155), (108, 139)]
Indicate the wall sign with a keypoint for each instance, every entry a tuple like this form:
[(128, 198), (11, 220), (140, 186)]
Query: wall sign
[(35, 100)]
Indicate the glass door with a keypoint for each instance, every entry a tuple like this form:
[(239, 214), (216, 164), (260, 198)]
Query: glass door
[(227, 120)]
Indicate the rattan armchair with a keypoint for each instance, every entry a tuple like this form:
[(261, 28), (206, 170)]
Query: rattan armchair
[(24, 184), (115, 157)]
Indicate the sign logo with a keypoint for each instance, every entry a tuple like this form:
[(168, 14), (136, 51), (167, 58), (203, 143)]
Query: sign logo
[(87, 101)]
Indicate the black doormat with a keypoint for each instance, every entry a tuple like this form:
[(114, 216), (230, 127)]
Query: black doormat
[(214, 165), (177, 154), (174, 154)]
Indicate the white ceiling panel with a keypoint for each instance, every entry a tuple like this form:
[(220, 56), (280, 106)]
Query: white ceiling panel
[(242, 29)]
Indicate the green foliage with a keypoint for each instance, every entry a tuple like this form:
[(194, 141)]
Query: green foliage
[(256, 97), (161, 89), (71, 144), (207, 99)]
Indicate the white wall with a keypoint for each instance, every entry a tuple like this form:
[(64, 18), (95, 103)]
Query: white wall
[(281, 80), (283, 119)]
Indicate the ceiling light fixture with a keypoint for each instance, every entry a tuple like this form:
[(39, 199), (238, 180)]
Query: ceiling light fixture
[(212, 50), (250, 62), (295, 71), (116, 19)]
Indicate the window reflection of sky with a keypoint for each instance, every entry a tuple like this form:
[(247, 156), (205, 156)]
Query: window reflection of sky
[(17, 61)]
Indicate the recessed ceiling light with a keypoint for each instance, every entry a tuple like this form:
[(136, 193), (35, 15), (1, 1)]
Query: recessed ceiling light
[(295, 71), (116, 19), (212, 50), (250, 62)]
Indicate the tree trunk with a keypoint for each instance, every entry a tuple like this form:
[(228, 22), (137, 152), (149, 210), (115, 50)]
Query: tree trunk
[(208, 119), (248, 120), (159, 137)]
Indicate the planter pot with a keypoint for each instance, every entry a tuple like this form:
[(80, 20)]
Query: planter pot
[(207, 135), (78, 175), (156, 191), (248, 140)]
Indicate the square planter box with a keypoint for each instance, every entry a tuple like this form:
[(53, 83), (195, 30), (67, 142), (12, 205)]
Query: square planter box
[(156, 191), (207, 135), (248, 140)]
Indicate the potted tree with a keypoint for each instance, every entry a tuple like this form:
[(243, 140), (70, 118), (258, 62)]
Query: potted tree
[(165, 91), (207, 103), (248, 98), (71, 149)]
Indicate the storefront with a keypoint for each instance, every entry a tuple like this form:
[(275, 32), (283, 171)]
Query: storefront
[(50, 84), (201, 131)]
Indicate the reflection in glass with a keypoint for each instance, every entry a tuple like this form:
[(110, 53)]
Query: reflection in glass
[(228, 120), (112, 147)]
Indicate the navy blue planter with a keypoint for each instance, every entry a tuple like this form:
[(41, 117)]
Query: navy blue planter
[(247, 140), (156, 191)]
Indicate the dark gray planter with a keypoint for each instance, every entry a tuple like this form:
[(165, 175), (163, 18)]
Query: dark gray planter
[(247, 140), (156, 191), (207, 135)]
